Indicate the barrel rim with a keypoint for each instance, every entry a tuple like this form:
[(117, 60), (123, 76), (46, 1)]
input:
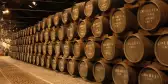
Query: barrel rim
[(85, 21), (155, 51), (85, 8), (86, 65), (100, 18), (127, 57), (138, 14), (152, 68), (86, 49)]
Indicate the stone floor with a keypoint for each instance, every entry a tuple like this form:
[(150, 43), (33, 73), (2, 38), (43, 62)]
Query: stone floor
[(17, 72)]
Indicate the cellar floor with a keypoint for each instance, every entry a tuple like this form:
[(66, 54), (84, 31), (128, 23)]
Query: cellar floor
[(17, 72)]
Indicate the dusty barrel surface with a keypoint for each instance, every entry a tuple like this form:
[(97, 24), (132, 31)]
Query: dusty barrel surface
[(152, 14), (43, 60), (78, 49), (71, 31), (61, 33), (122, 20), (92, 50), (57, 18), (85, 70), (161, 48), (44, 48), (51, 48), (53, 34), (42, 36), (33, 39), (151, 75), (66, 16), (84, 28), (38, 59), (48, 61), (72, 67), (102, 72), (124, 74), (105, 5), (62, 64), (100, 26), (137, 48), (67, 49), (77, 11), (112, 48), (91, 8), (32, 48), (31, 30)]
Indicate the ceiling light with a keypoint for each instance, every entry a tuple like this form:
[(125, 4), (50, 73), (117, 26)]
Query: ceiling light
[(6, 11), (34, 3), (30, 6)]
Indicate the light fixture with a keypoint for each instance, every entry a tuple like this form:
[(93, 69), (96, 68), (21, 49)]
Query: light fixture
[(34, 3), (6, 11), (30, 6)]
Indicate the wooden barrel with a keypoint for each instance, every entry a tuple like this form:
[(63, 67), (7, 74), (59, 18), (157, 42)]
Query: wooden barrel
[(49, 21), (32, 48), (42, 36), (151, 75), (77, 11), (53, 34), (30, 57), (35, 48), (27, 57), (100, 26), (78, 49), (43, 23), (27, 39), (152, 14), (51, 48), (106, 5), (39, 26), (120, 21), (66, 16), (85, 70), (48, 61), (62, 64), (47, 35), (43, 60), (28, 48), (44, 48), (72, 67), (39, 48), (57, 48), (57, 19), (31, 30), (102, 72), (111, 48), (137, 48), (84, 28), (37, 37), (92, 50), (160, 48), (124, 74), (34, 29), (67, 49), (34, 59), (61, 33), (130, 1), (38, 59), (91, 8), (54, 63), (72, 31), (33, 39)]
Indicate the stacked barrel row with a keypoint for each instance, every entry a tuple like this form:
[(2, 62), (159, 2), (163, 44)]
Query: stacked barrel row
[(107, 41)]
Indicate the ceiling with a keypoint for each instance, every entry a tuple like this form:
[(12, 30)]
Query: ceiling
[(22, 16)]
